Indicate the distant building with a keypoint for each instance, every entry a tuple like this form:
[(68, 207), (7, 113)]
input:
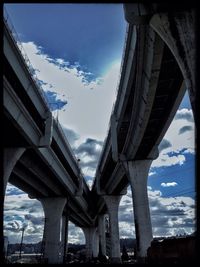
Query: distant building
[(172, 250), (25, 257)]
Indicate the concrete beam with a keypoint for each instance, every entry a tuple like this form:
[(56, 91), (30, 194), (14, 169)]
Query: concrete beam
[(154, 152), (57, 168), (80, 214), (137, 13), (114, 179), (114, 137), (150, 52), (128, 68), (40, 173), (33, 183), (17, 62), (20, 115), (177, 30), (105, 153), (65, 147), (24, 186)]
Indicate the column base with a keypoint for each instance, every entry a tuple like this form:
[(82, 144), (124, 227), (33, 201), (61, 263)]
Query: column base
[(115, 260), (141, 260)]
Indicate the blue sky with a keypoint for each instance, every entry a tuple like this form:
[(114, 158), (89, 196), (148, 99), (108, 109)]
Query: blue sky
[(76, 52), (71, 31)]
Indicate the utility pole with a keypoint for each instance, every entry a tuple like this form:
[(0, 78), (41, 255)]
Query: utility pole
[(20, 251)]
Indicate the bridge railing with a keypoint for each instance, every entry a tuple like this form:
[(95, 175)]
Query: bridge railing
[(122, 59), (9, 25), (119, 79)]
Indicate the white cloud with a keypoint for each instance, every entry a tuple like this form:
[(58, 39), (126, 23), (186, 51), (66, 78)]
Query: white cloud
[(88, 111), (183, 118), (169, 215), (165, 160), (184, 114), (88, 171), (169, 184), (19, 210), (178, 140), (151, 173), (86, 106), (75, 234)]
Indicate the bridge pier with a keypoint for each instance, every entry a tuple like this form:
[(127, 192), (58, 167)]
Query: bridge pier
[(96, 244), (138, 175), (53, 209), (102, 231), (11, 156), (89, 241), (112, 203), (64, 237)]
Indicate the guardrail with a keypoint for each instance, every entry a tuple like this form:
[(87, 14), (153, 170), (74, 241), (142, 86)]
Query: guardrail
[(17, 41)]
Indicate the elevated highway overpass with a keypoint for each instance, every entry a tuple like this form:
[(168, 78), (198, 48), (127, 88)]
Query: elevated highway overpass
[(153, 81), (37, 156), (157, 66)]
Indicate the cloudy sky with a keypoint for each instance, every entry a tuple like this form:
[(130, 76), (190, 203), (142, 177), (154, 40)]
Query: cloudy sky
[(75, 51)]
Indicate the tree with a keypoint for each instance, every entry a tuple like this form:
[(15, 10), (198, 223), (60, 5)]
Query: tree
[(125, 256)]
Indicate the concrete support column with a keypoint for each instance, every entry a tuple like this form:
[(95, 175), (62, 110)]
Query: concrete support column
[(102, 233), (89, 241), (112, 203), (64, 236), (138, 174), (53, 209), (10, 158), (96, 244)]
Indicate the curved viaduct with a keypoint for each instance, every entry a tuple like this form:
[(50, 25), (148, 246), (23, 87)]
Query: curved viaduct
[(37, 156), (157, 66)]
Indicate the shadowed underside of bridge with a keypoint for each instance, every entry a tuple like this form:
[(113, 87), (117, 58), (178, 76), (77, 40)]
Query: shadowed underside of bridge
[(34, 177), (169, 87), (45, 169)]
